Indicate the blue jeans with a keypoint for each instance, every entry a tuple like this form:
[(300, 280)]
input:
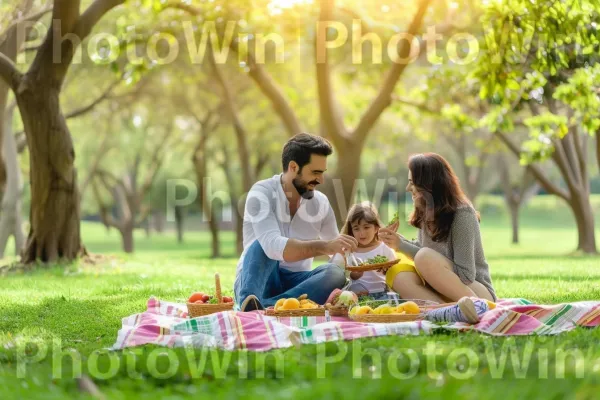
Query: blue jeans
[(263, 278)]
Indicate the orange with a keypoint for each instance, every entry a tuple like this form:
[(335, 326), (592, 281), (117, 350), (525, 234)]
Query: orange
[(411, 307), (279, 304), (290, 304)]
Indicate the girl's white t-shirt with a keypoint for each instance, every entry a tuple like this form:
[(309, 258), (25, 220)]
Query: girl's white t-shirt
[(372, 281)]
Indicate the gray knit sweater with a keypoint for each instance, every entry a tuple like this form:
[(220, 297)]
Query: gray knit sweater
[(462, 247)]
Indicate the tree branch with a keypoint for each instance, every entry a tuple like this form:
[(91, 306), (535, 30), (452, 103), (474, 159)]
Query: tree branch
[(239, 129), (420, 106), (28, 18), (535, 169), (155, 164), (9, 72), (85, 109), (100, 153), (93, 14), (329, 109), (105, 214), (273, 92), (384, 97)]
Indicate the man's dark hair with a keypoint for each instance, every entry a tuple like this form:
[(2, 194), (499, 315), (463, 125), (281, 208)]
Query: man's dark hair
[(301, 147)]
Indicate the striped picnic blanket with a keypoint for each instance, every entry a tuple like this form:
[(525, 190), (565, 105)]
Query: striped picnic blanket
[(166, 324)]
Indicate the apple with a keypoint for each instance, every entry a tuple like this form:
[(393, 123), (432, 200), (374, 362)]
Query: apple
[(347, 298), (196, 296), (227, 299), (205, 298)]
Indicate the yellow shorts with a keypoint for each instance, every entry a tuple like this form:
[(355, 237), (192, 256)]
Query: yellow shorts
[(405, 265)]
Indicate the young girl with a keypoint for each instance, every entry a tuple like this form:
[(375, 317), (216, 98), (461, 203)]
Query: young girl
[(363, 224)]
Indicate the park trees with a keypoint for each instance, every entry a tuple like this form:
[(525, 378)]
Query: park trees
[(535, 71), (54, 217)]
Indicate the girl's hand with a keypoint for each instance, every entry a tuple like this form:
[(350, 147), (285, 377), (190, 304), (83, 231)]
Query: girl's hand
[(390, 238)]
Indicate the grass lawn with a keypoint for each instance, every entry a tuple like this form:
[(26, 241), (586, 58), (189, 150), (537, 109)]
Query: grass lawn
[(83, 307)]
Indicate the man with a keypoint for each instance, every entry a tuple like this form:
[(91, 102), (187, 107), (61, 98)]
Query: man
[(286, 224)]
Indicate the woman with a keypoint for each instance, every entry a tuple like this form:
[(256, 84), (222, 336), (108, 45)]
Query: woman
[(448, 255)]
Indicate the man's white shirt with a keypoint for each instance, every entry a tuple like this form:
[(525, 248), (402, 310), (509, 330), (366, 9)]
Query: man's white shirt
[(267, 219)]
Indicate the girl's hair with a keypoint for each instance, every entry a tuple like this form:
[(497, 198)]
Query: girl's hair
[(439, 194), (362, 211)]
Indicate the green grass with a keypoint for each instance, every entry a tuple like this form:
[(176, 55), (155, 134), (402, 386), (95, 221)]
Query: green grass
[(83, 306)]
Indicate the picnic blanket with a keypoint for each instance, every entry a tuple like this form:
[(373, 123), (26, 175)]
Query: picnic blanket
[(166, 324)]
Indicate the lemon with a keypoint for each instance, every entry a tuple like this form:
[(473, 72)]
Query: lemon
[(384, 309), (411, 307), (364, 310)]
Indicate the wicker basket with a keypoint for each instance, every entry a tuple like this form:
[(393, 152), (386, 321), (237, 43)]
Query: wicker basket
[(424, 305), (306, 312), (337, 311), (199, 310), (386, 318), (372, 267)]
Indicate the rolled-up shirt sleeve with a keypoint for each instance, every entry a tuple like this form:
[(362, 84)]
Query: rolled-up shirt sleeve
[(259, 213)]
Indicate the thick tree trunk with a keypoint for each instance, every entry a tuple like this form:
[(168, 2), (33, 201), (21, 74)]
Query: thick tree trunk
[(11, 219), (55, 205), (340, 187), (127, 238), (584, 216)]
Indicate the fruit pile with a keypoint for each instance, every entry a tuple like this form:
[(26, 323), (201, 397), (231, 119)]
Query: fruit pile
[(202, 298), (301, 303), (409, 307)]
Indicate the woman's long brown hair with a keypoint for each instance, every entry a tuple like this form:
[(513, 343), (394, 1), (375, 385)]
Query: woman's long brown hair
[(439, 195)]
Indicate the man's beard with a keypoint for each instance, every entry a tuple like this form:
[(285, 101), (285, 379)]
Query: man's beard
[(302, 188)]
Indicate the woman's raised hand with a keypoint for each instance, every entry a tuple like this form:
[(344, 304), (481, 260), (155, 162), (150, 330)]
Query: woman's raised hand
[(390, 237), (394, 227)]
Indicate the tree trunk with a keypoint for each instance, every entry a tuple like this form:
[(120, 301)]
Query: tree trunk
[(584, 216), (514, 219), (11, 219), (179, 223), (239, 229), (214, 234), (159, 222), (55, 204), (127, 238), (598, 147), (340, 187), (207, 210)]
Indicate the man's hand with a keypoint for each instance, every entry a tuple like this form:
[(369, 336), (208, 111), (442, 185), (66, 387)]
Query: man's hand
[(341, 244)]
